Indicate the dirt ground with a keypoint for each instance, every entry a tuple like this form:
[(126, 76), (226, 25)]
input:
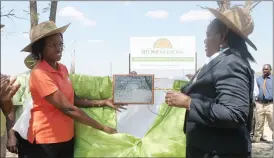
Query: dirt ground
[(263, 150), (260, 150)]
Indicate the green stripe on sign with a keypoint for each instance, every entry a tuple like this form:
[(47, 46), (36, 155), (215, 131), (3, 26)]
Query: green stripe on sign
[(163, 59)]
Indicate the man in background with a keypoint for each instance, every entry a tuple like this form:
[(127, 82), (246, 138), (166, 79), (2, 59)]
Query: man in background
[(264, 103), (16, 144), (189, 76), (8, 89), (133, 73), (255, 94)]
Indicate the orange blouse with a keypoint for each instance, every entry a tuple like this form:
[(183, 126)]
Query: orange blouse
[(48, 124)]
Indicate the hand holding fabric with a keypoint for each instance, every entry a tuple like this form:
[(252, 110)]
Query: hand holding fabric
[(109, 102), (109, 130)]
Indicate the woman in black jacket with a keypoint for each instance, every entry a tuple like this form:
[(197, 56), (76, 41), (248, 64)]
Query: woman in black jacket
[(219, 95)]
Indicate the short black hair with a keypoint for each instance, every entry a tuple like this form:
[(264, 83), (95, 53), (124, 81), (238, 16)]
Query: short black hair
[(234, 41), (38, 47), (268, 65)]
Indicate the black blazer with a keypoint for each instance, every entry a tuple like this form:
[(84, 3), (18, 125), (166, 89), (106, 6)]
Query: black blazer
[(219, 111)]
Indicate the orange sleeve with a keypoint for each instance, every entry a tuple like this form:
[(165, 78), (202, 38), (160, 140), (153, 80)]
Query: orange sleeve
[(42, 83)]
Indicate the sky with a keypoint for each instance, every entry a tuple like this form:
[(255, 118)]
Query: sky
[(100, 31)]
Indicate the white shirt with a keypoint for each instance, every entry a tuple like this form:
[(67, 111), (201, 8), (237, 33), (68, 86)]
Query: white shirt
[(209, 59), (256, 89)]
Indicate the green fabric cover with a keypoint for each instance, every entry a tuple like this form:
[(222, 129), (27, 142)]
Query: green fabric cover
[(178, 84), (94, 88), (164, 139)]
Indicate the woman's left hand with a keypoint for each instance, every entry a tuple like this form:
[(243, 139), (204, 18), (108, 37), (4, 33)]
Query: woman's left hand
[(178, 99), (109, 102)]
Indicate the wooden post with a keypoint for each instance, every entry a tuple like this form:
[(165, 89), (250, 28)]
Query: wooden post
[(53, 9), (33, 14)]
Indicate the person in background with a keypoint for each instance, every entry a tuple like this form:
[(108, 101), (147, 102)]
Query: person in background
[(189, 76), (51, 127), (255, 94), (218, 100), (7, 91), (264, 103), (133, 73), (16, 144)]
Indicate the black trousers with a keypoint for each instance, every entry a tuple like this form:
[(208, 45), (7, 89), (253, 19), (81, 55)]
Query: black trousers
[(53, 150), (23, 146), (193, 152)]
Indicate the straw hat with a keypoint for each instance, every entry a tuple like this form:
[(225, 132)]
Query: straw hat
[(42, 30), (238, 20), (30, 62)]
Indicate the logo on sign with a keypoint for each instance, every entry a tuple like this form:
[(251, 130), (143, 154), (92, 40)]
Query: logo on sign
[(162, 47), (162, 43)]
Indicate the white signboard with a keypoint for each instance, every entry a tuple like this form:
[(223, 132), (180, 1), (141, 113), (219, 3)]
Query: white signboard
[(156, 54)]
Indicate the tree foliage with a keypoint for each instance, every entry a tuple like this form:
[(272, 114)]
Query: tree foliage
[(9, 14)]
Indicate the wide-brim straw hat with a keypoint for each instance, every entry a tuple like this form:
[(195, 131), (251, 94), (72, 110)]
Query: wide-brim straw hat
[(42, 30), (30, 62), (238, 20)]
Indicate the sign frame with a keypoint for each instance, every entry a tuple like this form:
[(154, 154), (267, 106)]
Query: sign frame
[(132, 75)]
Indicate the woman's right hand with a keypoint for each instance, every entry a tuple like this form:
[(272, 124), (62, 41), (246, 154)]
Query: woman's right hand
[(109, 130)]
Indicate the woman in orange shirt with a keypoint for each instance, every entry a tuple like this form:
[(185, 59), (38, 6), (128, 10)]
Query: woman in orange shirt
[(51, 129)]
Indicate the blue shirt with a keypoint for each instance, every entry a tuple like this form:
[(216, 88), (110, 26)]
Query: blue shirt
[(268, 96)]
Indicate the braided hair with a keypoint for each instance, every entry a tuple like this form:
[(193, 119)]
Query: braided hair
[(234, 41)]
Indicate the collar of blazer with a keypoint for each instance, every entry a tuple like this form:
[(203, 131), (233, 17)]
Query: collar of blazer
[(206, 68)]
